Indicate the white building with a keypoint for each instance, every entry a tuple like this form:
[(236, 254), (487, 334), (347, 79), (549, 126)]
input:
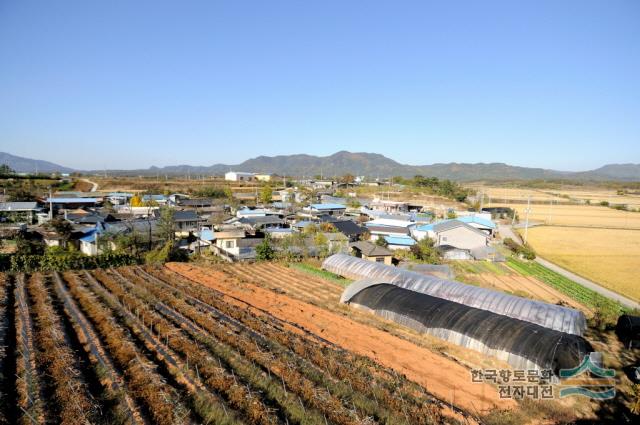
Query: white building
[(239, 176)]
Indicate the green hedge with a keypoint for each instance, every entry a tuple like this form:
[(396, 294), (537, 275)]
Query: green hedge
[(67, 261)]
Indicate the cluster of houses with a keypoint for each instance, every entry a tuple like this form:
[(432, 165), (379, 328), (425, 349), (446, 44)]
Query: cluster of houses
[(372, 230)]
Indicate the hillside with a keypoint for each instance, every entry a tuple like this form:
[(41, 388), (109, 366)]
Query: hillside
[(28, 165), (372, 165)]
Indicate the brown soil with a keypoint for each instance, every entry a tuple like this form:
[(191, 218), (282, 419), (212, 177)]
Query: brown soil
[(443, 377)]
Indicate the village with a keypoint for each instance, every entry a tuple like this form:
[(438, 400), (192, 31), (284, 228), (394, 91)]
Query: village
[(295, 218)]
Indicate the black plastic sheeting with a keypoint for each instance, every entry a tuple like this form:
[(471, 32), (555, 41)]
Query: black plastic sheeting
[(522, 344), (628, 330)]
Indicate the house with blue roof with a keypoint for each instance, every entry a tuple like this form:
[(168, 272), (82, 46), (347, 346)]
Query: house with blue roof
[(399, 242), (480, 223)]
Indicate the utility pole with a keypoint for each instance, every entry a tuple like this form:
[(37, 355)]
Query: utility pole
[(50, 205), (526, 221)]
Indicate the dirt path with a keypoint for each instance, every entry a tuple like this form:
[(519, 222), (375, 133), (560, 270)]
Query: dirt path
[(94, 185), (444, 378)]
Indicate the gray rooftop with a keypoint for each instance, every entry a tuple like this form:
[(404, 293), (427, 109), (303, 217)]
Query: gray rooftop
[(18, 206)]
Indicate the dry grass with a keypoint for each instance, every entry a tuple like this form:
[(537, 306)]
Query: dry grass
[(607, 256), (497, 194)]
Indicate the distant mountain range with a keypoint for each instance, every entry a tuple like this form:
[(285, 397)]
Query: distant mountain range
[(359, 164), (27, 165)]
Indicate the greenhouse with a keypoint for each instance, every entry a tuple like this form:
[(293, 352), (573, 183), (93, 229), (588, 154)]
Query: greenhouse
[(550, 316), (522, 344)]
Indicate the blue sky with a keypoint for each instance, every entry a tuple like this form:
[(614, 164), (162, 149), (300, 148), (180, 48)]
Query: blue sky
[(127, 84)]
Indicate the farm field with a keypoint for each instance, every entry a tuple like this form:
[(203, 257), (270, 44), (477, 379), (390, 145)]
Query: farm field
[(306, 284), (505, 279), (141, 345), (563, 194), (295, 297), (607, 256), (577, 215)]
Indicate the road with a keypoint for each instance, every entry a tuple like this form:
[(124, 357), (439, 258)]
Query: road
[(507, 232), (94, 186)]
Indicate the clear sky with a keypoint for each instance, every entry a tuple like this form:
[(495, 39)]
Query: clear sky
[(128, 84)]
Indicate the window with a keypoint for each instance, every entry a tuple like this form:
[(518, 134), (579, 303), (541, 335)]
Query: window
[(379, 259), (228, 244), (444, 239)]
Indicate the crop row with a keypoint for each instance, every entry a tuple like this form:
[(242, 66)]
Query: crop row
[(141, 345), (123, 408), (148, 387), (70, 395), (382, 391), (27, 382), (574, 290), (291, 378), (192, 359), (4, 343)]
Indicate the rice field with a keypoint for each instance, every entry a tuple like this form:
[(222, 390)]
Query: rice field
[(607, 256), (575, 194), (577, 215)]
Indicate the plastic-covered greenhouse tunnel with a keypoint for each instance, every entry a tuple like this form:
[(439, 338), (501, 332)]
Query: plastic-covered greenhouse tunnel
[(546, 315), (522, 344)]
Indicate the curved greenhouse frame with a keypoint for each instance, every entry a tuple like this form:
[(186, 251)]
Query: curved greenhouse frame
[(522, 344), (550, 316)]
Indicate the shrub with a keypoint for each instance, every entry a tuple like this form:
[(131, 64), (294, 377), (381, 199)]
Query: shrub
[(60, 261), (264, 250), (425, 251), (167, 252), (605, 314), (524, 251)]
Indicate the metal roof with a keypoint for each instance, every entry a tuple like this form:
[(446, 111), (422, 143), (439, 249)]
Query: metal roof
[(477, 220), (18, 206), (445, 225), (72, 200), (328, 206), (348, 227), (399, 240), (185, 216), (207, 235)]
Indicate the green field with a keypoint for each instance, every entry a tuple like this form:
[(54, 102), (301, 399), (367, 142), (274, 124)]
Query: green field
[(568, 287)]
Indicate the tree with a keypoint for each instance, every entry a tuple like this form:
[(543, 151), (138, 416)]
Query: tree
[(347, 179), (63, 228), (322, 244), (6, 170), (136, 201), (264, 250), (328, 228), (354, 203), (425, 251), (166, 227), (21, 195), (380, 241), (26, 246), (266, 194)]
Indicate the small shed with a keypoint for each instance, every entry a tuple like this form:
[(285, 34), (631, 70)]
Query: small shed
[(372, 252)]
